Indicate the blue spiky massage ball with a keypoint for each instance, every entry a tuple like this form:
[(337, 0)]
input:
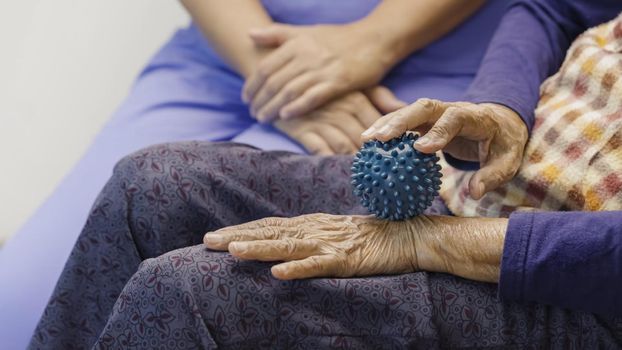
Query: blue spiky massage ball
[(394, 180)]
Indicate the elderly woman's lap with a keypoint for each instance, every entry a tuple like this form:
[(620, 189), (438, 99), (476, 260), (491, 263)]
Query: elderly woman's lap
[(196, 298)]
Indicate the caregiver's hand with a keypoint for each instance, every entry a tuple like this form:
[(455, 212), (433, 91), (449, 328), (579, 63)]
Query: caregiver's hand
[(336, 127), (489, 133), (310, 66), (323, 245)]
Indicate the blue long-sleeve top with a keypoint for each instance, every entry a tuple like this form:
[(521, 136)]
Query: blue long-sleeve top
[(571, 259)]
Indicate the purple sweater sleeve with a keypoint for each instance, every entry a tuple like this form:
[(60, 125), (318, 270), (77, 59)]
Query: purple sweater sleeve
[(566, 259), (529, 46)]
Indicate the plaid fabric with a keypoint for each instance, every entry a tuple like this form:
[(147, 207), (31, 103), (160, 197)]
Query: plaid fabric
[(573, 160)]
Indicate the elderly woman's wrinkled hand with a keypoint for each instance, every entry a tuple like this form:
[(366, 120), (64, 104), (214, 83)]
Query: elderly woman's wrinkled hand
[(310, 66), (323, 245), (489, 133)]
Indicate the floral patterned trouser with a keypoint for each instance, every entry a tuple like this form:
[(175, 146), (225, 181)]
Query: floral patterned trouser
[(138, 277)]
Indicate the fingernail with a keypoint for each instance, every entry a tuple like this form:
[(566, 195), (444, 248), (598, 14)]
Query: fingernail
[(262, 117), (368, 132), (213, 239), (423, 141), (244, 98), (277, 270), (385, 129)]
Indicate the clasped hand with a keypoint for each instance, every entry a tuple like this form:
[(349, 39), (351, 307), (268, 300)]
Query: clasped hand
[(309, 66), (336, 127)]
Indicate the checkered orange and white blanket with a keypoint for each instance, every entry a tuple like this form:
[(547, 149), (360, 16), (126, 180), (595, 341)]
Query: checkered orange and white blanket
[(573, 160)]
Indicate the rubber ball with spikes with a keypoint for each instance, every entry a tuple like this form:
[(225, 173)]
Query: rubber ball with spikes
[(393, 179)]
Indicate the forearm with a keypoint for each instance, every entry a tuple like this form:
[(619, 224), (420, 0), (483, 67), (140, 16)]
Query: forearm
[(226, 25), (400, 27), (467, 247)]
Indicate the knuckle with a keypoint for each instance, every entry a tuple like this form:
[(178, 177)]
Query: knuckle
[(487, 117), (315, 263), (439, 131), (341, 146), (454, 112), (268, 222), (312, 100), (289, 246), (428, 104), (270, 88), (262, 72), (314, 149), (289, 93), (499, 177), (398, 121), (485, 111), (272, 232), (512, 170), (357, 98), (265, 222), (341, 268)]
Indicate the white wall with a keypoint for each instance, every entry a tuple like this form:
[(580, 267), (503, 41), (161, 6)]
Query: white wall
[(64, 67)]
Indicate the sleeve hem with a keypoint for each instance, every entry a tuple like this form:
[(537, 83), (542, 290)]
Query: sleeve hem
[(515, 252)]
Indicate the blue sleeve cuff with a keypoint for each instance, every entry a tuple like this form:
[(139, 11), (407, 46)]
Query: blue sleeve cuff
[(512, 278)]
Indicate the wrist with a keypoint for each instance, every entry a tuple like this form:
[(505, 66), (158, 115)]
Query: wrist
[(465, 247), (385, 51)]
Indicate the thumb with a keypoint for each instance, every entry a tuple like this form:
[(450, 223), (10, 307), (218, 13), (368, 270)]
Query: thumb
[(495, 172), (271, 36), (383, 99)]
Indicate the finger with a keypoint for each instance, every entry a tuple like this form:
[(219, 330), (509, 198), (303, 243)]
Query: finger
[(338, 140), (313, 266), (496, 171), (292, 86), (384, 99), (405, 119), (264, 222), (351, 126), (219, 238), (315, 144), (470, 123), (271, 36), (272, 63), (312, 98), (366, 114), (444, 130), (270, 250)]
